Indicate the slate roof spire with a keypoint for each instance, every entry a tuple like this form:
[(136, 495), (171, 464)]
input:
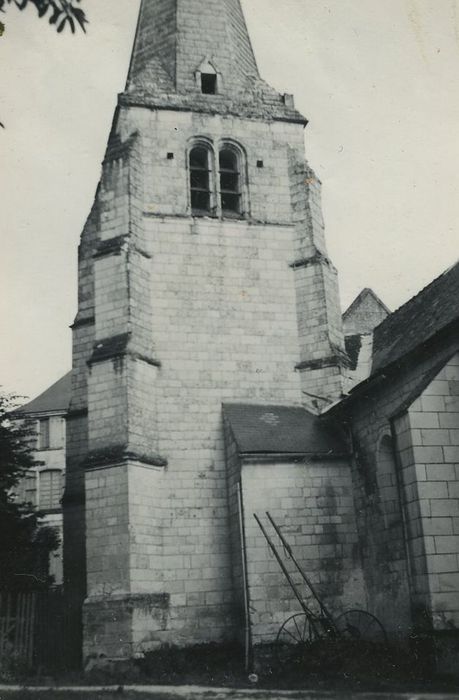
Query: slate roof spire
[(178, 40), (174, 37)]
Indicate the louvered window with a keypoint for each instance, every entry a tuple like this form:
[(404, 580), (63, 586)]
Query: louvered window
[(230, 190), (200, 174)]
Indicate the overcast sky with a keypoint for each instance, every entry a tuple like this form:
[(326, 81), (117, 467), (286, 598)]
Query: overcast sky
[(378, 80)]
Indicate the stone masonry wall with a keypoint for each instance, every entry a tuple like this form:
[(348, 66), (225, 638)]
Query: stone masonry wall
[(320, 330), (223, 326), (388, 564), (77, 438), (125, 547), (236, 532), (312, 502), (430, 453), (208, 309)]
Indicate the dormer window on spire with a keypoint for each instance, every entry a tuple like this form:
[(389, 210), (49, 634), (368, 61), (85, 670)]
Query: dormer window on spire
[(208, 83)]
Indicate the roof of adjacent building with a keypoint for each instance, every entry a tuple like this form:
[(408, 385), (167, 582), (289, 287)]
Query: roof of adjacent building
[(54, 399), (267, 429), (417, 321), (365, 313)]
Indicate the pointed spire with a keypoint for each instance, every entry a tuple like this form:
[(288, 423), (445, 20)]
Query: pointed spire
[(196, 55), (175, 37)]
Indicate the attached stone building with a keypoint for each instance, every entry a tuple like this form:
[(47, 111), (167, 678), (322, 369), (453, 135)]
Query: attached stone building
[(404, 422), (209, 367)]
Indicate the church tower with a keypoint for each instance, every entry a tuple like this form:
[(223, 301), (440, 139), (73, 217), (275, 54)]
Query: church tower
[(203, 280)]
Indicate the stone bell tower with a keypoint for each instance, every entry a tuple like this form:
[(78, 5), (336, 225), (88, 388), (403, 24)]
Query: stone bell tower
[(203, 279)]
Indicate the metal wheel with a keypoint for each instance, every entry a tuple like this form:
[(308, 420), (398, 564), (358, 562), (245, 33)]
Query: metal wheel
[(360, 625), (294, 638)]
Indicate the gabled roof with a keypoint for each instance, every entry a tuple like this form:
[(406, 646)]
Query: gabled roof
[(421, 318), (421, 384), (366, 292), (366, 311), (282, 430), (55, 398)]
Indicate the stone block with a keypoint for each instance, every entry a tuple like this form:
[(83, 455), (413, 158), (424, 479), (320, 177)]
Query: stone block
[(433, 403), (451, 453), (444, 508), (432, 489), (452, 404), (440, 472), (444, 564), (435, 436), (438, 526), (447, 544), (448, 420), (428, 455), (438, 387), (450, 582)]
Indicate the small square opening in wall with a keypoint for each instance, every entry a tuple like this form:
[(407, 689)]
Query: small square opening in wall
[(208, 83), (260, 164), (170, 156)]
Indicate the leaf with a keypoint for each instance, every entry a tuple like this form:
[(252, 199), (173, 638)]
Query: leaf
[(55, 15), (80, 17), (63, 12)]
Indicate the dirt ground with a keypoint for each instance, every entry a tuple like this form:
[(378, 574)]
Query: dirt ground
[(190, 693), (327, 671)]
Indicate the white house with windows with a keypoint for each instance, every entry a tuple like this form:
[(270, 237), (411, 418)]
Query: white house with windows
[(44, 484)]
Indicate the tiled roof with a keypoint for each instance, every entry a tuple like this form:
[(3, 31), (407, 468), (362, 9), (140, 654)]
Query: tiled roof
[(414, 323), (56, 398), (281, 429), (421, 383)]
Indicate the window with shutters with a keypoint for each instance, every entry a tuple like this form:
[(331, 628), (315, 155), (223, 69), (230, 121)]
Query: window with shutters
[(28, 489), (50, 489), (43, 434)]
